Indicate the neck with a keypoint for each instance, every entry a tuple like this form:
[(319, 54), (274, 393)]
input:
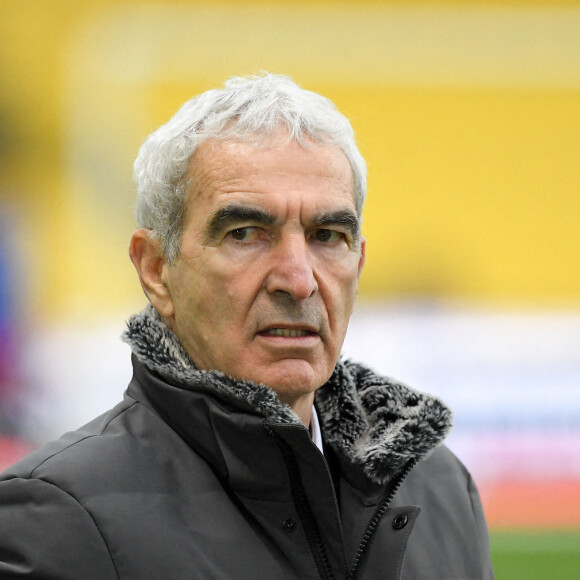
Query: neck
[(302, 406)]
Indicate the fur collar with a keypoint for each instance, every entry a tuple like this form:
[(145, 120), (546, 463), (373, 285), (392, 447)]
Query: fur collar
[(377, 423)]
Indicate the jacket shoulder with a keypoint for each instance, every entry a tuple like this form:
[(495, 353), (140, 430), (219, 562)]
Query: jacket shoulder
[(442, 476), (443, 461), (447, 495), (119, 454), (56, 454)]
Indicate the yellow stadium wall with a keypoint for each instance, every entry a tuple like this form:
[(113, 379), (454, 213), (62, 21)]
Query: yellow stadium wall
[(473, 177)]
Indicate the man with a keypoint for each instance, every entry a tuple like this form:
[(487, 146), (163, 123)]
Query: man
[(244, 447)]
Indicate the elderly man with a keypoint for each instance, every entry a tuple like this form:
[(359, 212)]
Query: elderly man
[(244, 448)]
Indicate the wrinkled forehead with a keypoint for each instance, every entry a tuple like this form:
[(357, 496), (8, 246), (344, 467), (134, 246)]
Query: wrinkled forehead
[(226, 163)]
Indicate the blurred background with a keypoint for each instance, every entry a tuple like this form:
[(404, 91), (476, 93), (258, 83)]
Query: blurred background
[(468, 114)]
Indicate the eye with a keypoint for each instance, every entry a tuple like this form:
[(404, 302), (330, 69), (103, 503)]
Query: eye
[(328, 236), (247, 234)]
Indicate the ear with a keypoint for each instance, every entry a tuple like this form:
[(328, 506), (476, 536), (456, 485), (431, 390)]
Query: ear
[(363, 253), (151, 265)]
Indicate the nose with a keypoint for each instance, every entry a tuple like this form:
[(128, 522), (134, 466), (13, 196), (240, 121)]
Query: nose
[(291, 271)]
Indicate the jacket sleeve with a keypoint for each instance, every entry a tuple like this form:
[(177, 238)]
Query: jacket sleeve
[(46, 533), (449, 539), (482, 530)]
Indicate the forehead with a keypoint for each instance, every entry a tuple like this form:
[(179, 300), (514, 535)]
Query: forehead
[(221, 170)]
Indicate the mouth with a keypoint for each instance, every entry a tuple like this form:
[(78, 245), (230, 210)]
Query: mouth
[(288, 332)]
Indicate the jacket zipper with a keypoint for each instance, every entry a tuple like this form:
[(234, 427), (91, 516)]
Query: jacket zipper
[(379, 513), (321, 559)]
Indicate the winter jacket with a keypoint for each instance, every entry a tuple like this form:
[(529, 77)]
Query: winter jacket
[(199, 476)]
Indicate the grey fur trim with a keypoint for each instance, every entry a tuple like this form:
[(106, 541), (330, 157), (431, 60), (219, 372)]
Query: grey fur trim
[(378, 423)]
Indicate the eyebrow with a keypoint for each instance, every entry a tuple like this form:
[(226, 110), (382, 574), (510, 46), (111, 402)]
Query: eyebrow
[(234, 214), (340, 217)]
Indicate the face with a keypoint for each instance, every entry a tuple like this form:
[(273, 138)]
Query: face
[(270, 258)]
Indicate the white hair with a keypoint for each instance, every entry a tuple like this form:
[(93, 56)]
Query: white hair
[(245, 109)]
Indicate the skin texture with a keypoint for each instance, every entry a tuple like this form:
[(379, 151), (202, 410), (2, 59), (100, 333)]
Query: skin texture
[(271, 244)]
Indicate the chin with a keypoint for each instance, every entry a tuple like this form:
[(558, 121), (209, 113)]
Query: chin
[(296, 381)]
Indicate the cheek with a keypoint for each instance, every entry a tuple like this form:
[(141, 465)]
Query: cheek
[(222, 298), (339, 298), (345, 281), (194, 301)]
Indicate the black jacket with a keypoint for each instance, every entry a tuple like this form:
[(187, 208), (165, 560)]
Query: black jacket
[(197, 476)]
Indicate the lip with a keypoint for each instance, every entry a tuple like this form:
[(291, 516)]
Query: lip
[(289, 333), (306, 328)]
